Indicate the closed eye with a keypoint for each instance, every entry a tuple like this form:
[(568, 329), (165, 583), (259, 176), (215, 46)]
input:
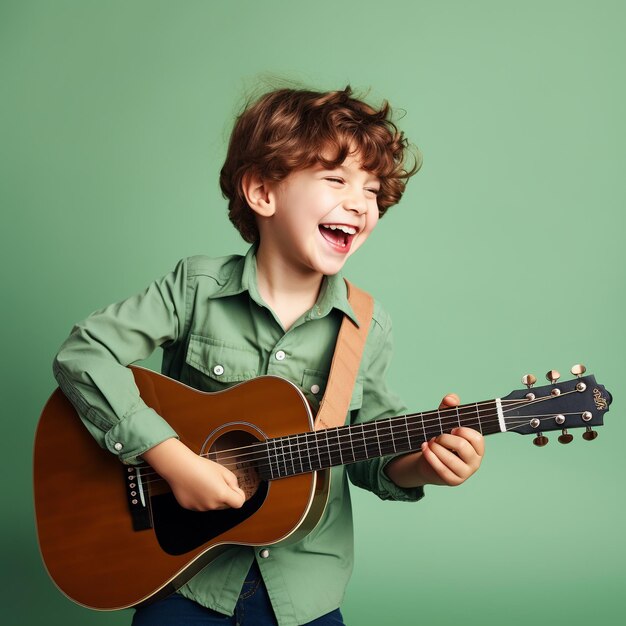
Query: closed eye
[(333, 180)]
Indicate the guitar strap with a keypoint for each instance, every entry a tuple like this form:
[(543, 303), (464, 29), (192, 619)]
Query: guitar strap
[(346, 359)]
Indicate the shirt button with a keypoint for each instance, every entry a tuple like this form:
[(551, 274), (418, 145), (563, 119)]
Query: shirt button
[(315, 389), (218, 370), (280, 355), (118, 446), (264, 553)]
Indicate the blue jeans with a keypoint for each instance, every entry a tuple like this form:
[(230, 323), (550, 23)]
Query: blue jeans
[(253, 608)]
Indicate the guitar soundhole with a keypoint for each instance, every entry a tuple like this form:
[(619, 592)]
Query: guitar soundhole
[(235, 450), (179, 530)]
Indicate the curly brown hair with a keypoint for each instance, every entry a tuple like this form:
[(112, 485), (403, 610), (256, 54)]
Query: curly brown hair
[(287, 130)]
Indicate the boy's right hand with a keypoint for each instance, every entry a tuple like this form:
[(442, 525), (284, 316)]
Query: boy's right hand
[(197, 483)]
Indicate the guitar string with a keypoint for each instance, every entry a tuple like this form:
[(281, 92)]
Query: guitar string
[(286, 443), (333, 445), (448, 413), (261, 449), (287, 457)]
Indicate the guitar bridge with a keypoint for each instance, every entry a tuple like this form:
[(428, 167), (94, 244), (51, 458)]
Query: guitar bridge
[(136, 498)]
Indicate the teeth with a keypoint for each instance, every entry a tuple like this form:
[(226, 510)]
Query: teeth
[(349, 230)]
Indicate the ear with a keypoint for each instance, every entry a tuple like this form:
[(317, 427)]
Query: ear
[(259, 195)]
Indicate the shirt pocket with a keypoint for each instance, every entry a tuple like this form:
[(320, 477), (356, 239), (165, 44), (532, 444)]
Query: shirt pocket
[(314, 387), (214, 364)]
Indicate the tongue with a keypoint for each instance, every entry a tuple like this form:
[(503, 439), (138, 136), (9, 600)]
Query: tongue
[(336, 237)]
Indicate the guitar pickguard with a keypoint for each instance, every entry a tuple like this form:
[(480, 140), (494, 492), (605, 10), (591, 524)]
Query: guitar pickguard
[(201, 527)]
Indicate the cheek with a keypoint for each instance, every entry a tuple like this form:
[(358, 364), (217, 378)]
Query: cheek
[(372, 219)]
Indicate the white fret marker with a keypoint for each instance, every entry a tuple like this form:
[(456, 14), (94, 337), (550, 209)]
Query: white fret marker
[(500, 415)]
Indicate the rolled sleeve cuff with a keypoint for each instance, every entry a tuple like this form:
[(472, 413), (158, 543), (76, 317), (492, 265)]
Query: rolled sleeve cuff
[(136, 433), (388, 490)]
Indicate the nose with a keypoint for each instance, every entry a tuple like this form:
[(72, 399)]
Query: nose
[(355, 201)]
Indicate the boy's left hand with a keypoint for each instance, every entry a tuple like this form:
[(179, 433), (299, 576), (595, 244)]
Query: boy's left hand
[(448, 459), (451, 458)]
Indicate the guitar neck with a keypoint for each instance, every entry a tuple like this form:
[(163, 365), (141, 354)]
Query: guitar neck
[(318, 450)]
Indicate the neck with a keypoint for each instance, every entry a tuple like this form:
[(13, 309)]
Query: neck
[(288, 291), (306, 452)]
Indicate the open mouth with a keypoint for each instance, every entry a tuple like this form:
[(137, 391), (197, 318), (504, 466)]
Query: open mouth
[(339, 236)]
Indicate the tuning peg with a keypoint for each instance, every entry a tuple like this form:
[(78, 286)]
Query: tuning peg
[(565, 437), (589, 434), (529, 380), (553, 376), (541, 440), (578, 370)]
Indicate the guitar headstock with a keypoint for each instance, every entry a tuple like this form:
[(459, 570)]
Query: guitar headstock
[(577, 403)]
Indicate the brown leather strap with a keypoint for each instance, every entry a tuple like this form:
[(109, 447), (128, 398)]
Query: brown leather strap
[(346, 359)]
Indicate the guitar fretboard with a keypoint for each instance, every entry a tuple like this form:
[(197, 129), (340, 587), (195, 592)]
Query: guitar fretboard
[(307, 452)]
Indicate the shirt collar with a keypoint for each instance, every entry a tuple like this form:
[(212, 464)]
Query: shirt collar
[(333, 295)]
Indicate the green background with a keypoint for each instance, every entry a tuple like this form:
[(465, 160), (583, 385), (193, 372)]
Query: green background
[(505, 256)]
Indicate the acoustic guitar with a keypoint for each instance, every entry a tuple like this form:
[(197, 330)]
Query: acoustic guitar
[(112, 536)]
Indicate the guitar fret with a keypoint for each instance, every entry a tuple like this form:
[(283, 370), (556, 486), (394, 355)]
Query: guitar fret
[(408, 434), (351, 444), (380, 452), (317, 451), (372, 447), (277, 451), (480, 426), (300, 458), (401, 438), (361, 449), (339, 446), (308, 451), (393, 441), (295, 455), (470, 416), (327, 463), (269, 457), (282, 449)]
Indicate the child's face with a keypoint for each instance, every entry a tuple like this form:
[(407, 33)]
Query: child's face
[(322, 216)]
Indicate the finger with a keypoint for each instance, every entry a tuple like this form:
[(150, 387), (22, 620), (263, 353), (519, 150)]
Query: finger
[(447, 476), (459, 466), (451, 400), (473, 436), (460, 447), (234, 499), (234, 496)]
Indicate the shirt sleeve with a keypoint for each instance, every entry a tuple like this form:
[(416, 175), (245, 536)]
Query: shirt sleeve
[(379, 402), (90, 366)]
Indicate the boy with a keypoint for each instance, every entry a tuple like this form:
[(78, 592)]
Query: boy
[(307, 176)]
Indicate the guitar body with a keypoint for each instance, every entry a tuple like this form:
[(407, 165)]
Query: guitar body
[(107, 549)]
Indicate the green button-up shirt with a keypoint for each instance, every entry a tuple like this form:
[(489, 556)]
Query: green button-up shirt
[(215, 330)]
